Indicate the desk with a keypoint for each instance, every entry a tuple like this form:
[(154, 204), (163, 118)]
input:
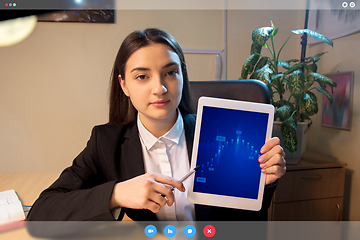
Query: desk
[(28, 186), (311, 190)]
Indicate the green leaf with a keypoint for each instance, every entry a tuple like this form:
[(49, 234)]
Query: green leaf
[(314, 59), (272, 24), (322, 84), (261, 35), (310, 79), (263, 74), (310, 106), (274, 32), (324, 79), (283, 112), (326, 93), (255, 48), (315, 35), (296, 67), (312, 67), (288, 132), (276, 76), (261, 63), (284, 64), (293, 60), (248, 66), (312, 95), (320, 54), (296, 83)]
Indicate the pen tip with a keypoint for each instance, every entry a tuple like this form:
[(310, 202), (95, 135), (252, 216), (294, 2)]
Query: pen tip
[(197, 168)]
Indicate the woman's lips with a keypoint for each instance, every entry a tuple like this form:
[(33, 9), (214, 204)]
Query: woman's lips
[(160, 103)]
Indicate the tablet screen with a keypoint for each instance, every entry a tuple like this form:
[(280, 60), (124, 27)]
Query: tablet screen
[(229, 147)]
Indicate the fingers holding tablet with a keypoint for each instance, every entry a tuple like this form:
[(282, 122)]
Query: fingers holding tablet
[(272, 162)]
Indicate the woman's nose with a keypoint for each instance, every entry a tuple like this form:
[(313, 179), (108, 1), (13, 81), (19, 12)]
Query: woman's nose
[(159, 87)]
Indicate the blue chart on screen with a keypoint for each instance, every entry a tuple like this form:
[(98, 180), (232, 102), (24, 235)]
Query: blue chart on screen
[(229, 148), (150, 231)]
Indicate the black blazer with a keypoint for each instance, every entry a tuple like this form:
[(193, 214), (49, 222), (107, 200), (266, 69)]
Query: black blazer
[(113, 154)]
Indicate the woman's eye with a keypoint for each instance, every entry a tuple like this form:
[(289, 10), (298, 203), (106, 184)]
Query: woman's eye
[(172, 72), (140, 77)]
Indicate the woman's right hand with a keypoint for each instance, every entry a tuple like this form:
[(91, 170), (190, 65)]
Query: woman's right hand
[(144, 192)]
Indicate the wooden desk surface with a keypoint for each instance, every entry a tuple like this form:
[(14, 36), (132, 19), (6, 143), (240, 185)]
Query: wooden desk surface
[(28, 185)]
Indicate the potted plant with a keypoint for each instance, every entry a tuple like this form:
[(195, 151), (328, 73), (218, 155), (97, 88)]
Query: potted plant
[(291, 85)]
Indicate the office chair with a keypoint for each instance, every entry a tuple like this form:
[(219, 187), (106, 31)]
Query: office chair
[(244, 90)]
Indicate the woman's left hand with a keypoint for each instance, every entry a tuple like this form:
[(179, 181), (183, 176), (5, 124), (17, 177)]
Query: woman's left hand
[(272, 161)]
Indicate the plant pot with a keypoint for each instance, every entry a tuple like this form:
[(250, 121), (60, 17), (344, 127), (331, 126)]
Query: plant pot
[(301, 133)]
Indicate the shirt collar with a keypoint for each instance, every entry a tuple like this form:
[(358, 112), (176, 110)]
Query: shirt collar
[(169, 138)]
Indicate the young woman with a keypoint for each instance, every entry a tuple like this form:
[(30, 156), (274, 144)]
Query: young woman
[(129, 163)]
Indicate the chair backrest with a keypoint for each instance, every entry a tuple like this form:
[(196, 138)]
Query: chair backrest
[(244, 90)]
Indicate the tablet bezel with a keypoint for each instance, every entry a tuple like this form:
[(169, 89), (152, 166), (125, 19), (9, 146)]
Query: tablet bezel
[(221, 200)]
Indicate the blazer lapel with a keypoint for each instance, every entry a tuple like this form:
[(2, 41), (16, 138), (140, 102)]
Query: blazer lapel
[(133, 163), (131, 153)]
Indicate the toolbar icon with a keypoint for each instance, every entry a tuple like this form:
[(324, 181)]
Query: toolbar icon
[(189, 231), (344, 4), (150, 231), (209, 231), (170, 231)]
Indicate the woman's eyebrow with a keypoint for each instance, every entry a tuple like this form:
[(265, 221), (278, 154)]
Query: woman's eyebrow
[(139, 69), (171, 64), (147, 69)]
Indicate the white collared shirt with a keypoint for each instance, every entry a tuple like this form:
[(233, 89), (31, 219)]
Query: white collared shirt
[(168, 155)]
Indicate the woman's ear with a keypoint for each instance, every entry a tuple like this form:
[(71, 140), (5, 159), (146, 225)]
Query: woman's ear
[(123, 87)]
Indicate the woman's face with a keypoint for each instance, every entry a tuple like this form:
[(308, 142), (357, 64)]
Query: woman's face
[(154, 83)]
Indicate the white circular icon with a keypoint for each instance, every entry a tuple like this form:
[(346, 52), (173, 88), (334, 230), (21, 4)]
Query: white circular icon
[(344, 4), (189, 230), (352, 4)]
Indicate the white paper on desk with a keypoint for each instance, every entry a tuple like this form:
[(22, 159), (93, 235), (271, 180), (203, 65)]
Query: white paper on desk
[(10, 207)]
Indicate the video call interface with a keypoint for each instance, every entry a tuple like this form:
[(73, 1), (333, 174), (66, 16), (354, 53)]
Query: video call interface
[(229, 144), (229, 148)]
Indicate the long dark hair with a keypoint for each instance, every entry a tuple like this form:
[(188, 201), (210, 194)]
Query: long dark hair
[(121, 109)]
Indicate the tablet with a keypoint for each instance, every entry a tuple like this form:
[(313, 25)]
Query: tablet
[(228, 137)]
